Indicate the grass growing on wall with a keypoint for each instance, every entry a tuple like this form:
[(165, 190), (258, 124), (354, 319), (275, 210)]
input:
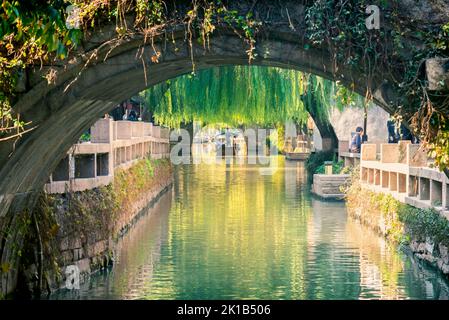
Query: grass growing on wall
[(130, 183), (97, 209), (88, 216)]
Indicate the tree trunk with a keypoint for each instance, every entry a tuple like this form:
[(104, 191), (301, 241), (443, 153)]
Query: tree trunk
[(330, 140)]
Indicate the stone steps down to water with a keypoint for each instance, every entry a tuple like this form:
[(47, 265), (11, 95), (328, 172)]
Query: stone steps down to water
[(329, 186)]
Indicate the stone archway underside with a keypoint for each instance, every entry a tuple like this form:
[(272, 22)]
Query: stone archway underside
[(62, 111)]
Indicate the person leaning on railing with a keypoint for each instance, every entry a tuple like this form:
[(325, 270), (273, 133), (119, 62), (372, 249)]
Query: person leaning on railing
[(356, 142)]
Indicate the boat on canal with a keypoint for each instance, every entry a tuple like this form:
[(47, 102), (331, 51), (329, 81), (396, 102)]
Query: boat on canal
[(300, 153), (297, 156)]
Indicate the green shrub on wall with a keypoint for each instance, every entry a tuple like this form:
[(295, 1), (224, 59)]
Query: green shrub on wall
[(425, 225), (315, 163), (130, 183), (337, 168), (317, 159)]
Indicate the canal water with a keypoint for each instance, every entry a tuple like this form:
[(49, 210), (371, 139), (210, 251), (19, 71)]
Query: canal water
[(229, 231)]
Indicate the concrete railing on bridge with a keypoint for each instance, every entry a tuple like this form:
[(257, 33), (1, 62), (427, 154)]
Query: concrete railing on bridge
[(403, 170), (156, 131), (113, 144), (123, 130), (350, 159), (137, 129), (147, 128)]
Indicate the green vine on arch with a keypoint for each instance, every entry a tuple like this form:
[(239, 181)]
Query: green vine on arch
[(36, 34), (340, 26)]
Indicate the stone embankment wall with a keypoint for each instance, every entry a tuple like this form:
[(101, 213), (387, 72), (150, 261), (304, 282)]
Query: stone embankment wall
[(424, 231), (81, 228)]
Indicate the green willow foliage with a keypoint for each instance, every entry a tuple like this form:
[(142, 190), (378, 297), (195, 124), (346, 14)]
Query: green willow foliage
[(241, 95), (29, 32)]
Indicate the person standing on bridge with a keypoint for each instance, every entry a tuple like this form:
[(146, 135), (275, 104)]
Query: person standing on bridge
[(393, 136)]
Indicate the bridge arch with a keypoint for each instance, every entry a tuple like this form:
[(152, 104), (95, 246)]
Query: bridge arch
[(84, 92)]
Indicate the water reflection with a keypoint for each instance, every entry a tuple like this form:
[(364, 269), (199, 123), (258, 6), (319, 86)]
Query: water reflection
[(228, 232)]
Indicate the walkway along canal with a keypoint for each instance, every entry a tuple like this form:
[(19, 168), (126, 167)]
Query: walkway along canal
[(227, 232)]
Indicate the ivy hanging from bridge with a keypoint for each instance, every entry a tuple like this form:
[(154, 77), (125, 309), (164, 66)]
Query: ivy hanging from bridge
[(398, 49)]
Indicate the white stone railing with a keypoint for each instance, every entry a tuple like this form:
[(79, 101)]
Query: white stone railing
[(403, 171), (113, 144), (350, 159)]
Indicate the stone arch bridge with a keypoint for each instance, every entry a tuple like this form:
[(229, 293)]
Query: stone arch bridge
[(104, 72)]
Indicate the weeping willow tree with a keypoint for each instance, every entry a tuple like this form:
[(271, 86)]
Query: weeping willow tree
[(243, 96)]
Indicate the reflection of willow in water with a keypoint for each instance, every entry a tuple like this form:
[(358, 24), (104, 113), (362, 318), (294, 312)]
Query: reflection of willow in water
[(231, 232), (231, 242)]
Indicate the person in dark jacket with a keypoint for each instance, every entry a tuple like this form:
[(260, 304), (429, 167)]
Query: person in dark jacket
[(132, 116), (356, 142), (393, 136), (405, 133)]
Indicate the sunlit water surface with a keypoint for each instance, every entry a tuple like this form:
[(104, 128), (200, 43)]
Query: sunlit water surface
[(226, 231)]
